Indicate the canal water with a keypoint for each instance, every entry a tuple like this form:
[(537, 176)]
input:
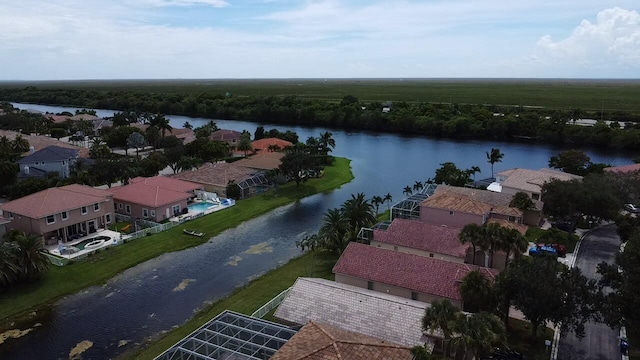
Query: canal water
[(164, 292)]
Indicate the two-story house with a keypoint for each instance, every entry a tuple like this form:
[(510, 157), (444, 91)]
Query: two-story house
[(50, 159), (61, 213), (231, 137)]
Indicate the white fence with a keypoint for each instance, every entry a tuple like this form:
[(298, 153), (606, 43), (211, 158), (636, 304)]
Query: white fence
[(271, 304)]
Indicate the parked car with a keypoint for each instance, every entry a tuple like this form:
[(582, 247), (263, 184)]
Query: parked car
[(543, 250), (631, 208)]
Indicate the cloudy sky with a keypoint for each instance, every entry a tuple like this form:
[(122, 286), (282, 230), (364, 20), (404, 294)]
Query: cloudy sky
[(148, 39)]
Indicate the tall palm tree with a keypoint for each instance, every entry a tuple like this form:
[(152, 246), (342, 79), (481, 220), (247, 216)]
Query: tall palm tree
[(187, 125), (512, 241), (9, 269), (417, 186), (327, 142), (475, 169), (31, 260), (20, 144), (407, 190), (441, 315), (493, 157), (153, 136), (492, 240), (388, 199), (476, 292), (472, 234), (162, 123), (376, 201), (358, 212), (334, 231), (477, 332)]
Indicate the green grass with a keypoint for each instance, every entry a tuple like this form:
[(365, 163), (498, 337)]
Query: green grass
[(593, 95), (520, 340), (61, 281), (245, 300), (118, 226)]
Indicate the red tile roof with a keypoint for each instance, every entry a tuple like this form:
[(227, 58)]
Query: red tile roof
[(263, 144), (413, 272), (155, 191), (167, 183), (423, 236), (623, 169), (56, 200), (316, 341)]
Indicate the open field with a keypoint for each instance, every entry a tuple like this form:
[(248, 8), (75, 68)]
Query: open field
[(106, 264), (586, 94)]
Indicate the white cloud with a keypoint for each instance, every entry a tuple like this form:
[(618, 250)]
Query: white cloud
[(613, 40)]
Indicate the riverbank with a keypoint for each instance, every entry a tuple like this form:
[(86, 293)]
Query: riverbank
[(25, 301)]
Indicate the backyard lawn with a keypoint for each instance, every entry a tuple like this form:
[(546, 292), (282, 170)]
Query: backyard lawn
[(61, 281)]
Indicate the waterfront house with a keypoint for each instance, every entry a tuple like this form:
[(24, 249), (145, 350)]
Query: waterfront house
[(529, 181), (61, 213), (156, 198), (262, 161), (215, 177), (50, 159), (321, 341), (406, 275), (231, 137), (39, 142), (267, 144)]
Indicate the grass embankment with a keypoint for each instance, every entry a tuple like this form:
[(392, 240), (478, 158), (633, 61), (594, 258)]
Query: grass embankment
[(247, 299), (593, 95), (61, 281)]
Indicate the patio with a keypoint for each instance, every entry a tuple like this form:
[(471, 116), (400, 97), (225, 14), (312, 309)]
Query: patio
[(74, 252)]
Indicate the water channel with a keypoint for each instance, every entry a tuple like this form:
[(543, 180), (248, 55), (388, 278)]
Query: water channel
[(164, 292)]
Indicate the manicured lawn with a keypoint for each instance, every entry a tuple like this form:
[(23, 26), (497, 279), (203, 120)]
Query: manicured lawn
[(247, 299), (61, 281), (520, 340)]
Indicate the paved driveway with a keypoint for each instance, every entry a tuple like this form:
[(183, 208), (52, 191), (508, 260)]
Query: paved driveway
[(600, 341)]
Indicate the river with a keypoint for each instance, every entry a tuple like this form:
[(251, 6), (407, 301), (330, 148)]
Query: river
[(164, 292)]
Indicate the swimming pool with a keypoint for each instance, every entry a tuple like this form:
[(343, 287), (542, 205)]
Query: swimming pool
[(200, 207), (81, 245)]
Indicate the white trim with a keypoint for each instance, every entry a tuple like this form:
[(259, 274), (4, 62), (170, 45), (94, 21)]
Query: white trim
[(127, 209), (107, 218), (96, 205), (62, 215), (84, 210), (46, 219), (145, 213), (152, 213)]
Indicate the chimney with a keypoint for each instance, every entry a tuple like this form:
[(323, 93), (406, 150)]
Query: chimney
[(31, 150), (25, 170)]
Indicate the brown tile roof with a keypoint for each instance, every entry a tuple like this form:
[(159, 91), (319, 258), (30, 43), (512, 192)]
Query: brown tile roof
[(623, 169), (532, 180), (187, 135), (423, 236), (262, 161), (413, 272), (509, 225), (56, 200), (317, 341), (224, 135), (485, 196), (505, 210), (40, 142), (217, 174), (451, 201), (167, 183), (263, 144), (84, 117), (58, 118), (148, 195)]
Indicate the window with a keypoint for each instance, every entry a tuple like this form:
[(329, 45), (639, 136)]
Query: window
[(153, 213), (83, 210), (430, 254), (128, 209), (370, 285), (10, 214), (535, 196), (64, 162), (51, 219), (145, 213), (450, 212), (395, 248), (107, 218), (176, 209), (64, 215), (120, 206), (414, 295), (96, 207)]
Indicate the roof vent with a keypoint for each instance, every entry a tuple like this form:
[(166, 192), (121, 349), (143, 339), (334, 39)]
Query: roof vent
[(32, 149)]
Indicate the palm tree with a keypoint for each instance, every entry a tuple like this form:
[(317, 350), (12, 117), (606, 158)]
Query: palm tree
[(476, 292), (493, 157), (376, 201), (417, 186), (512, 241), (162, 123), (187, 125), (334, 231), (477, 332), (19, 144), (388, 199), (440, 316), (327, 143), (472, 234), (9, 269), (31, 260), (475, 169), (492, 240), (245, 142), (358, 212), (153, 135), (407, 190)]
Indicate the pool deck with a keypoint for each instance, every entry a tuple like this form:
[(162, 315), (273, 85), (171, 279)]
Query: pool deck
[(193, 214), (115, 239)]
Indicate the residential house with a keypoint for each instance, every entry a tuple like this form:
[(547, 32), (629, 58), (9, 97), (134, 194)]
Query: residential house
[(406, 275), (50, 159), (231, 137), (262, 161), (267, 144), (625, 169), (215, 177), (415, 237), (61, 213), (156, 198), (39, 142), (321, 341), (383, 316)]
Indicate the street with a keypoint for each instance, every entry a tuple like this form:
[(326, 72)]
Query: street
[(600, 341)]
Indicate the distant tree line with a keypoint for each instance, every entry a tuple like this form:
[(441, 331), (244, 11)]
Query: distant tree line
[(420, 118)]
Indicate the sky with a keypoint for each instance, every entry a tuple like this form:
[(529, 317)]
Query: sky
[(196, 39)]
